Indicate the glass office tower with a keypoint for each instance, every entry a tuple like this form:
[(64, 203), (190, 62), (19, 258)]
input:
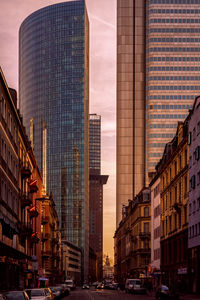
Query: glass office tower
[(54, 102), (157, 80)]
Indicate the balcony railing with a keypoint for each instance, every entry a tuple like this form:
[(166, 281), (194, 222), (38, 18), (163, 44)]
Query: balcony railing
[(26, 228), (26, 200), (33, 212), (25, 172), (33, 186)]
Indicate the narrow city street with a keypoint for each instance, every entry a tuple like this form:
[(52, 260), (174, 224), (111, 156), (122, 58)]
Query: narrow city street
[(94, 294)]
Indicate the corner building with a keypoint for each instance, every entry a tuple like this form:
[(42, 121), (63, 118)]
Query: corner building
[(157, 80), (54, 101)]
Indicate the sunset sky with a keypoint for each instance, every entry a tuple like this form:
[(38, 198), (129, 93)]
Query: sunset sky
[(102, 16)]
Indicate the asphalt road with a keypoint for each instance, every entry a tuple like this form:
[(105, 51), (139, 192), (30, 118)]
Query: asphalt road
[(93, 294)]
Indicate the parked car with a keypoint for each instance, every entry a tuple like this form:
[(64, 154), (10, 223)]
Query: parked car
[(16, 295), (134, 286), (49, 293), (71, 284), (85, 286), (38, 294), (57, 292)]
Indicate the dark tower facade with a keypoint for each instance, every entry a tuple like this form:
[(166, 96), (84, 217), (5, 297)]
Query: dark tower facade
[(54, 101), (96, 194)]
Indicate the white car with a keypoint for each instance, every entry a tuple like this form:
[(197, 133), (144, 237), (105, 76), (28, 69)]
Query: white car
[(70, 283), (134, 286)]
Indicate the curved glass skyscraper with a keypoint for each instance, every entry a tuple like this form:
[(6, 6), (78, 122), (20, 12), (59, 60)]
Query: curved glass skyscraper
[(54, 102)]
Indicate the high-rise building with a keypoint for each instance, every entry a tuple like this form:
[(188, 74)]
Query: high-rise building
[(96, 194), (157, 80), (54, 101), (95, 144)]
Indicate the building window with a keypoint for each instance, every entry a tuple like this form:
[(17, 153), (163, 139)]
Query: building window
[(185, 157), (194, 207), (175, 168), (192, 182), (185, 185), (198, 203), (194, 134), (146, 212), (198, 127), (185, 214), (175, 221), (146, 227), (175, 194), (180, 162), (170, 198), (170, 223), (190, 209), (179, 219), (197, 152), (180, 191)]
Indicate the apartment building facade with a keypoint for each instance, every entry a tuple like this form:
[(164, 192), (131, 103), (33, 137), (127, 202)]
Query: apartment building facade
[(173, 169), (194, 195)]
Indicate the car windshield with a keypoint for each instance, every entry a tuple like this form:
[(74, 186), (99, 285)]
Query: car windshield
[(165, 288), (15, 296), (134, 282), (35, 293)]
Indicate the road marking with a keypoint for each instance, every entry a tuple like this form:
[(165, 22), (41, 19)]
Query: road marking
[(92, 298)]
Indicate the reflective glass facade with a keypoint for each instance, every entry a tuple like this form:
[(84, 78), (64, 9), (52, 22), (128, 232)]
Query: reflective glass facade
[(54, 99), (157, 80), (172, 69)]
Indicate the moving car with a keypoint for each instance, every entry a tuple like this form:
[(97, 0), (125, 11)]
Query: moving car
[(134, 286), (162, 292), (85, 286), (70, 283), (16, 295)]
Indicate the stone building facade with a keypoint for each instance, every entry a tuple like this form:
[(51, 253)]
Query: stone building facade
[(132, 239)]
